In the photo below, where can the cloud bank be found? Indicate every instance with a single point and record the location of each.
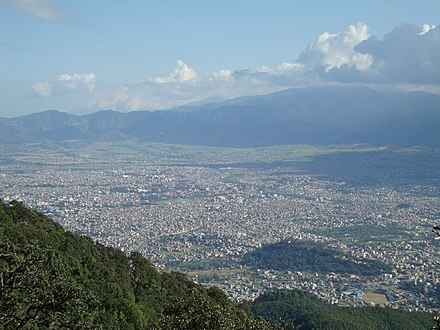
(65, 83)
(408, 55)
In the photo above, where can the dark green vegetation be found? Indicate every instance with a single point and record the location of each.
(309, 256)
(53, 279)
(309, 312)
(324, 115)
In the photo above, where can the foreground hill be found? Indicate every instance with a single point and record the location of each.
(320, 115)
(53, 279)
(309, 312)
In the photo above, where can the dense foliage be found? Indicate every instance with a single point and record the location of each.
(53, 279)
(308, 256)
(309, 312)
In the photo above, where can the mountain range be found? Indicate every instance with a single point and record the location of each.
(312, 115)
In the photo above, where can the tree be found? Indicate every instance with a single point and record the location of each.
(37, 292)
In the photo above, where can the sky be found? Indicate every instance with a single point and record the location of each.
(89, 55)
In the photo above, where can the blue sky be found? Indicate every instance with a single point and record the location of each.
(85, 56)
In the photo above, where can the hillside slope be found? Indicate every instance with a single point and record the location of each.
(309, 312)
(53, 279)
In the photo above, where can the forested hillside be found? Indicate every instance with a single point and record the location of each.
(53, 279)
(306, 311)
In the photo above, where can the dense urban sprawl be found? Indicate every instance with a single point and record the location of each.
(203, 217)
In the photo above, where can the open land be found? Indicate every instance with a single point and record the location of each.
(375, 298)
(201, 210)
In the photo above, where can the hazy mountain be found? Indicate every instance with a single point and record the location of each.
(320, 115)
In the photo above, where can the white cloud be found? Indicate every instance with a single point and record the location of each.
(283, 68)
(165, 93)
(286, 67)
(408, 54)
(223, 74)
(181, 73)
(65, 82)
(426, 28)
(43, 89)
(332, 51)
(76, 80)
(265, 69)
(351, 56)
(43, 9)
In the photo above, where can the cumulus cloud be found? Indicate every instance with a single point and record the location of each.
(157, 94)
(332, 51)
(223, 74)
(43, 89)
(408, 54)
(65, 82)
(287, 67)
(283, 68)
(426, 28)
(76, 80)
(407, 57)
(181, 73)
(43, 9)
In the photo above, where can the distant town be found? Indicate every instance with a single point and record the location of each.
(201, 210)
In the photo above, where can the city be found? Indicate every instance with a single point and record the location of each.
(200, 210)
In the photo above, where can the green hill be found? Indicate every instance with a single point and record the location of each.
(53, 279)
(306, 311)
(311, 257)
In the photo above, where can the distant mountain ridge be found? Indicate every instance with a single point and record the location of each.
(319, 115)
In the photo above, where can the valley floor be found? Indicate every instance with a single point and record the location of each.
(201, 210)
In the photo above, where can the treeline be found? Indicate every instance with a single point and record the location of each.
(306, 311)
(308, 256)
(53, 279)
